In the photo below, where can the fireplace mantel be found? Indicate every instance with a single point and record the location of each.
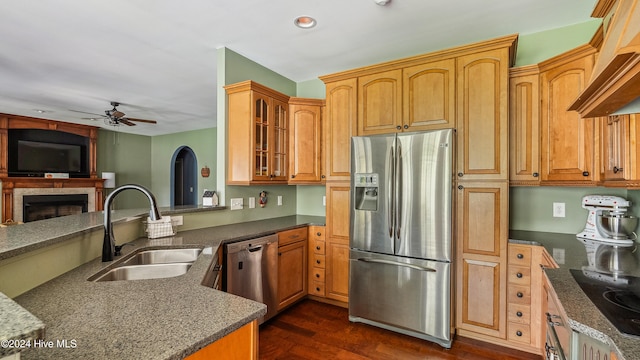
(10, 183)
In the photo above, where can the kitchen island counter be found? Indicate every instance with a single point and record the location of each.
(146, 319)
(584, 316)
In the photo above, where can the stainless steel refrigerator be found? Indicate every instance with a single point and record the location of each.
(400, 233)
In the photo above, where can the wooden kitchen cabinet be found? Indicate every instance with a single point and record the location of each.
(305, 139)
(338, 128)
(429, 96)
(258, 134)
(482, 220)
(380, 103)
(524, 126)
(482, 115)
(620, 150)
(568, 147)
(317, 262)
(292, 266)
(337, 242)
(241, 344)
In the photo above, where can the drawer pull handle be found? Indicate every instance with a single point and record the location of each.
(519, 314)
(519, 294)
(519, 275)
(317, 289)
(520, 256)
(318, 275)
(519, 333)
(317, 247)
(317, 261)
(319, 233)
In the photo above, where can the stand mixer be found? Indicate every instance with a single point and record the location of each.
(608, 236)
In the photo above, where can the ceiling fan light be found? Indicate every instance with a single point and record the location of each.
(305, 22)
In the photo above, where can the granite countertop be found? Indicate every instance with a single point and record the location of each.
(18, 327)
(584, 316)
(145, 319)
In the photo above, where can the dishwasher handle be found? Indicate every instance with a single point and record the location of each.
(254, 249)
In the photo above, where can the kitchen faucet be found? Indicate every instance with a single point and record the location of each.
(109, 244)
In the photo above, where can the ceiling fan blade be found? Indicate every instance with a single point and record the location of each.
(142, 120)
(126, 122)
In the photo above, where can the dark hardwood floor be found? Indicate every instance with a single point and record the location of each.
(314, 330)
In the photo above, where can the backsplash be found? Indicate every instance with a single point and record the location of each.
(531, 208)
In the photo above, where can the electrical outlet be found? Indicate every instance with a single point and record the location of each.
(177, 220)
(558, 210)
(237, 203)
(279, 200)
(252, 203)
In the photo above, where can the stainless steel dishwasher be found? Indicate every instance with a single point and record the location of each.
(251, 271)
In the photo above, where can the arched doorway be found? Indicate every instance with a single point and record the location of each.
(184, 177)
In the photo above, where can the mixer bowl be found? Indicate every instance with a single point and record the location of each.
(616, 226)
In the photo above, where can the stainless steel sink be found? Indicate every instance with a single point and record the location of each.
(150, 264)
(142, 272)
(162, 256)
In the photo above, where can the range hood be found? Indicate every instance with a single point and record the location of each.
(615, 82)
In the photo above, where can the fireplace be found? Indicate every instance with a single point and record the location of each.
(40, 207)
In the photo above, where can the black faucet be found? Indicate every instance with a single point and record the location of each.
(109, 244)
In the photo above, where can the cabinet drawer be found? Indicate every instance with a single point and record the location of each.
(316, 233)
(316, 288)
(519, 275)
(519, 332)
(317, 274)
(290, 236)
(518, 313)
(519, 255)
(518, 294)
(318, 247)
(318, 261)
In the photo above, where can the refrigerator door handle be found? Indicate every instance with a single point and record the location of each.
(391, 187)
(389, 262)
(398, 193)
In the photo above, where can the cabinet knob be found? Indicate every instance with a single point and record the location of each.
(293, 176)
(322, 176)
(406, 126)
(319, 233)
(317, 275)
(519, 314)
(616, 169)
(519, 294)
(585, 173)
(519, 333)
(317, 261)
(460, 187)
(535, 174)
(317, 289)
(520, 256)
(317, 247)
(398, 127)
(460, 174)
(519, 275)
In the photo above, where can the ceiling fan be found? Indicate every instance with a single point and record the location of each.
(116, 117)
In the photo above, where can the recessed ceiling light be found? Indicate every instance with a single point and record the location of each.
(305, 22)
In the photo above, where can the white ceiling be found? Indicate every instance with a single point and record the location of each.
(158, 57)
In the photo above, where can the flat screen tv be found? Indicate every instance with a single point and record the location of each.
(35, 152)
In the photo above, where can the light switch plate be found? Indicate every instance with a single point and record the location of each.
(558, 210)
(279, 200)
(252, 203)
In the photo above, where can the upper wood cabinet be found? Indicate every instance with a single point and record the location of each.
(305, 139)
(429, 96)
(338, 128)
(620, 150)
(568, 142)
(482, 116)
(380, 103)
(524, 126)
(415, 98)
(257, 134)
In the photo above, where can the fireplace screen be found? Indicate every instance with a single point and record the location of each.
(40, 207)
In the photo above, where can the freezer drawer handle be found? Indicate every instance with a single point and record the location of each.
(388, 262)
